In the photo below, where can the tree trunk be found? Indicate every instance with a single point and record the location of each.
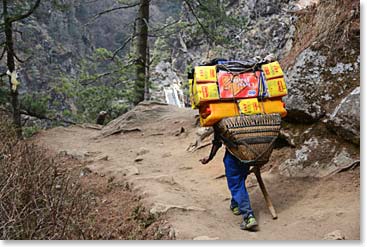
(147, 75)
(141, 84)
(9, 46)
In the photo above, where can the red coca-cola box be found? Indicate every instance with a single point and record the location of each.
(238, 86)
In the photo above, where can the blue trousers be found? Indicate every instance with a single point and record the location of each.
(236, 173)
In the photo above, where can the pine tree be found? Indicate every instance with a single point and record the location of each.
(142, 79)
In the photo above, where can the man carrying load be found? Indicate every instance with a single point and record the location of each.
(243, 102)
(236, 173)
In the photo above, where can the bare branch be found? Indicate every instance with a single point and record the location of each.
(34, 114)
(18, 59)
(27, 14)
(111, 10)
(164, 27)
(18, 31)
(198, 21)
(162, 35)
(122, 46)
(3, 53)
(99, 76)
(92, 1)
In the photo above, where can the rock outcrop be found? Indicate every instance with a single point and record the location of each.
(323, 78)
(345, 120)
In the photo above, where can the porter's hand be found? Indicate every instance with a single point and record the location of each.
(205, 160)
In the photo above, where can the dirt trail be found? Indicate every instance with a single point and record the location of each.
(196, 197)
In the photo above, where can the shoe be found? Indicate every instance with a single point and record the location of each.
(235, 210)
(249, 223)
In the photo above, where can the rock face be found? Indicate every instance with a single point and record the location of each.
(269, 29)
(313, 83)
(323, 80)
(58, 36)
(304, 87)
(55, 40)
(319, 157)
(323, 65)
(324, 61)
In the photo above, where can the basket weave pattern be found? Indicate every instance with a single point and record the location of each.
(250, 138)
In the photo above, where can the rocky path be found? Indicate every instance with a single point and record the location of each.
(195, 197)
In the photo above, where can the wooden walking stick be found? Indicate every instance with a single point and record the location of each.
(269, 204)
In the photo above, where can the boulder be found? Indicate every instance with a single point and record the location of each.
(319, 157)
(311, 86)
(303, 102)
(345, 120)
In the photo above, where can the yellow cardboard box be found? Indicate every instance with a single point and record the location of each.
(276, 87)
(253, 106)
(205, 74)
(249, 106)
(192, 92)
(205, 92)
(272, 70)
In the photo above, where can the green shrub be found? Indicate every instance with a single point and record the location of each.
(30, 131)
(35, 104)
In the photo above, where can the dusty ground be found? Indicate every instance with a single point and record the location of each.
(195, 197)
(113, 210)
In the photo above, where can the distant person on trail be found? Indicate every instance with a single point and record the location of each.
(236, 173)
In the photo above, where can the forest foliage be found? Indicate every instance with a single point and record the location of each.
(106, 80)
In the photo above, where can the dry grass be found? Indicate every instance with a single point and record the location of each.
(44, 197)
(37, 200)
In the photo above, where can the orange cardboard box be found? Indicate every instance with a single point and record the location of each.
(210, 113)
(273, 106)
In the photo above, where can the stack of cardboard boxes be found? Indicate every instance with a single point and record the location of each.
(219, 94)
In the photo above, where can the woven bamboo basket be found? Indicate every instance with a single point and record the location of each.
(250, 138)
